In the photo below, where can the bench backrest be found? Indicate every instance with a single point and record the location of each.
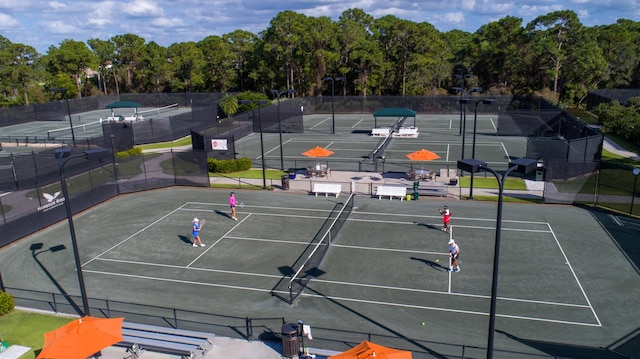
(327, 187)
(391, 191)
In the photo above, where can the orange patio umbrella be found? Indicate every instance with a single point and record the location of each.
(369, 350)
(81, 338)
(423, 155)
(318, 152)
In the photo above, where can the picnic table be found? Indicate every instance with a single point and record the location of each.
(421, 174)
(318, 171)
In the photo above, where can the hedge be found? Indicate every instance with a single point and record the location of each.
(228, 166)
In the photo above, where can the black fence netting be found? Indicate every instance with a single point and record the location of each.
(607, 184)
(32, 191)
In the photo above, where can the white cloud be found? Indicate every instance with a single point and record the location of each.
(142, 8)
(7, 21)
(468, 5)
(60, 27)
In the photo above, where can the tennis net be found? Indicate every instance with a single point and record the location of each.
(309, 267)
(77, 130)
(157, 111)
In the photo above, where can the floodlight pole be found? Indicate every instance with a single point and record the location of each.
(278, 94)
(64, 93)
(264, 165)
(636, 172)
(63, 155)
(475, 126)
(333, 112)
(522, 165)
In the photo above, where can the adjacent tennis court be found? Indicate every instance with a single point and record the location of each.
(561, 275)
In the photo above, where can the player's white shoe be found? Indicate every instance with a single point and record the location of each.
(195, 245)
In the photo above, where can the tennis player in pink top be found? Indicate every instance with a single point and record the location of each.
(232, 204)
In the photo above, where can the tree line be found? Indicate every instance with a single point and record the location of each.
(553, 56)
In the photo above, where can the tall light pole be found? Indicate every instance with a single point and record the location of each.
(63, 154)
(475, 123)
(521, 165)
(264, 165)
(333, 112)
(64, 93)
(463, 119)
(460, 89)
(636, 172)
(278, 94)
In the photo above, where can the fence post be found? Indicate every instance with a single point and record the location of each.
(249, 328)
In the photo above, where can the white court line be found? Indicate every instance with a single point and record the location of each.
(319, 123)
(253, 206)
(448, 151)
(357, 123)
(181, 281)
(135, 234)
(495, 128)
(253, 289)
(275, 148)
(616, 219)
(330, 143)
(464, 218)
(505, 150)
(574, 275)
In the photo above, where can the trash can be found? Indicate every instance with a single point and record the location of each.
(540, 170)
(285, 181)
(292, 175)
(416, 195)
(290, 340)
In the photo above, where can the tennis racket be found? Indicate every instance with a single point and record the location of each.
(202, 223)
(241, 205)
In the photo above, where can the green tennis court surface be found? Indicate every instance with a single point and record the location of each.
(563, 280)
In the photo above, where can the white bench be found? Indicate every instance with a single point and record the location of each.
(391, 191)
(406, 132)
(381, 132)
(327, 188)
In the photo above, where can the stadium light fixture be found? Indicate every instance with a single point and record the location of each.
(333, 112)
(489, 101)
(64, 93)
(63, 154)
(264, 165)
(278, 94)
(521, 165)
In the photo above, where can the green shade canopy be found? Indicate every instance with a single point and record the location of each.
(123, 104)
(394, 112)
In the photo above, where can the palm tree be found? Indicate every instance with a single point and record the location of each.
(229, 105)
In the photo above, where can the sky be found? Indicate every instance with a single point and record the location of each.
(43, 23)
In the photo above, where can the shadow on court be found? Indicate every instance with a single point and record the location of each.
(559, 350)
(429, 263)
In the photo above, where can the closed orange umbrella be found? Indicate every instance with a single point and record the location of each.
(81, 338)
(318, 152)
(369, 350)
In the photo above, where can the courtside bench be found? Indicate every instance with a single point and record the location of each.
(407, 132)
(391, 191)
(327, 188)
(438, 191)
(185, 343)
(381, 132)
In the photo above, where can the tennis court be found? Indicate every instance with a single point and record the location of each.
(85, 125)
(352, 142)
(561, 276)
